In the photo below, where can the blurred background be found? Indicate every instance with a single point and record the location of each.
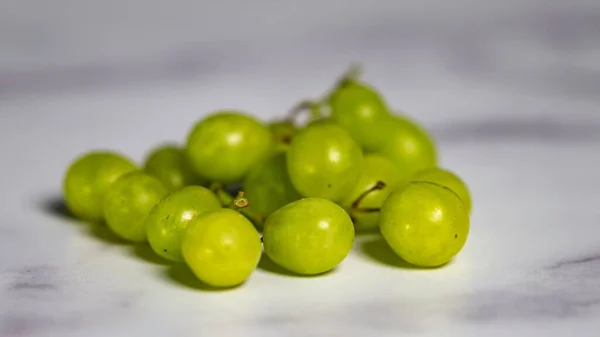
(537, 45)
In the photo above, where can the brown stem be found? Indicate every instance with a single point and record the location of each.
(356, 204)
(352, 73)
(239, 202)
(302, 107)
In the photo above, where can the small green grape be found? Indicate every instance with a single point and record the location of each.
(283, 132)
(128, 202)
(169, 218)
(268, 187)
(448, 179)
(319, 121)
(225, 145)
(425, 224)
(406, 144)
(169, 164)
(87, 179)
(365, 200)
(358, 108)
(222, 248)
(308, 236)
(324, 161)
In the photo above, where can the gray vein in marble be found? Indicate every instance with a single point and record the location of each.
(541, 129)
(591, 259)
(32, 282)
(25, 322)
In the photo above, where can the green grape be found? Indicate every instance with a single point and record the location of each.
(169, 164)
(283, 132)
(168, 220)
(367, 197)
(87, 179)
(406, 144)
(324, 161)
(268, 187)
(358, 108)
(426, 224)
(225, 145)
(326, 120)
(448, 179)
(128, 202)
(309, 236)
(222, 248)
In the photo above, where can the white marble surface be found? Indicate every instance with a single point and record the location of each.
(512, 98)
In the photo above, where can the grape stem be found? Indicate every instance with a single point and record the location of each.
(352, 73)
(239, 203)
(356, 204)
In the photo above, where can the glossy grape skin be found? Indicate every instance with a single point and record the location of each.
(424, 223)
(128, 202)
(324, 161)
(169, 164)
(225, 145)
(268, 187)
(448, 179)
(87, 179)
(376, 168)
(168, 220)
(309, 236)
(283, 132)
(222, 248)
(406, 144)
(358, 108)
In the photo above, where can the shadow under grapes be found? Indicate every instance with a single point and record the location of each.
(144, 252)
(378, 250)
(180, 274)
(56, 206)
(104, 234)
(268, 265)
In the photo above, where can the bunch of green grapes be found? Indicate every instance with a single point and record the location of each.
(352, 166)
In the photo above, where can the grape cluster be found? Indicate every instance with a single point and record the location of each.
(308, 187)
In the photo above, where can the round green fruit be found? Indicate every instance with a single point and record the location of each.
(222, 248)
(309, 236)
(168, 219)
(225, 145)
(358, 108)
(324, 161)
(87, 179)
(169, 164)
(448, 179)
(424, 223)
(406, 144)
(268, 187)
(128, 202)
